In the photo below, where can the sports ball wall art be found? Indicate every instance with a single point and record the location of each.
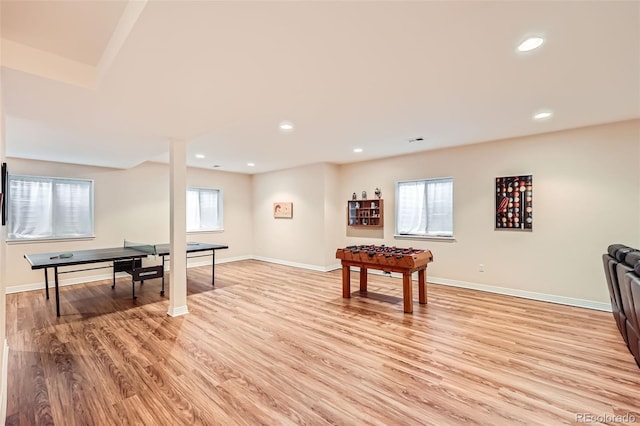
(514, 203)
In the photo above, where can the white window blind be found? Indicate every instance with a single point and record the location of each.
(425, 207)
(49, 208)
(204, 209)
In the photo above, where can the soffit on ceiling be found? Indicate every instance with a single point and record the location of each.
(368, 74)
(76, 30)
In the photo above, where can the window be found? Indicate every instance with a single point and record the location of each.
(204, 209)
(424, 208)
(49, 208)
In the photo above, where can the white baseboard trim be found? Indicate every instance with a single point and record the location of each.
(62, 283)
(543, 297)
(178, 311)
(296, 264)
(3, 383)
(101, 277)
(208, 262)
(472, 286)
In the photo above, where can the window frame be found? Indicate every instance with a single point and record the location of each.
(54, 236)
(220, 209)
(397, 235)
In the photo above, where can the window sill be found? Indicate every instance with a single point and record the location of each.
(423, 237)
(50, 240)
(206, 231)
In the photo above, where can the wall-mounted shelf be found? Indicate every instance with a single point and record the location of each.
(365, 213)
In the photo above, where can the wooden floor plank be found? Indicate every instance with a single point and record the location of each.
(271, 344)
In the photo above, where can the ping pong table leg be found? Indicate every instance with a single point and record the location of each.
(46, 282)
(55, 271)
(133, 281)
(213, 267)
(113, 265)
(162, 291)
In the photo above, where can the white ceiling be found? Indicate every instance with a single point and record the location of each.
(110, 83)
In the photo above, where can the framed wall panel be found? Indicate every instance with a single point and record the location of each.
(3, 191)
(514, 203)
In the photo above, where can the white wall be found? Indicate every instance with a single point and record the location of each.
(334, 214)
(586, 197)
(237, 214)
(306, 239)
(133, 204)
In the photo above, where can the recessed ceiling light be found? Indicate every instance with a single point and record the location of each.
(199, 155)
(215, 166)
(530, 44)
(286, 126)
(542, 115)
(357, 149)
(251, 164)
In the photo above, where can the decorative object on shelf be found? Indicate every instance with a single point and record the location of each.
(283, 210)
(354, 196)
(364, 195)
(514, 203)
(378, 193)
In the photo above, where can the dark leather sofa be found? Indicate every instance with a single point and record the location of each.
(622, 271)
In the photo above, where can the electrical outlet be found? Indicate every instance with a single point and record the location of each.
(481, 267)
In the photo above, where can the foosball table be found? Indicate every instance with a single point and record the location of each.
(388, 259)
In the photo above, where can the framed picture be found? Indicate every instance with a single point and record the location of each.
(283, 210)
(514, 203)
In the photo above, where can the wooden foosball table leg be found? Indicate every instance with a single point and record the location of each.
(346, 281)
(407, 292)
(363, 279)
(422, 286)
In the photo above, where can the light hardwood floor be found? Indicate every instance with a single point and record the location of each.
(276, 345)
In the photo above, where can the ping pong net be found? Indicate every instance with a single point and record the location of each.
(144, 248)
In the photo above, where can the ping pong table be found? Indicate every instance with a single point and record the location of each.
(127, 258)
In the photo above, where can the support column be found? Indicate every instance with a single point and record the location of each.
(178, 228)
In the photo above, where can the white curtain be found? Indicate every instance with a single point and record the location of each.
(425, 207)
(49, 208)
(30, 209)
(193, 210)
(412, 209)
(440, 211)
(203, 206)
(72, 209)
(208, 209)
